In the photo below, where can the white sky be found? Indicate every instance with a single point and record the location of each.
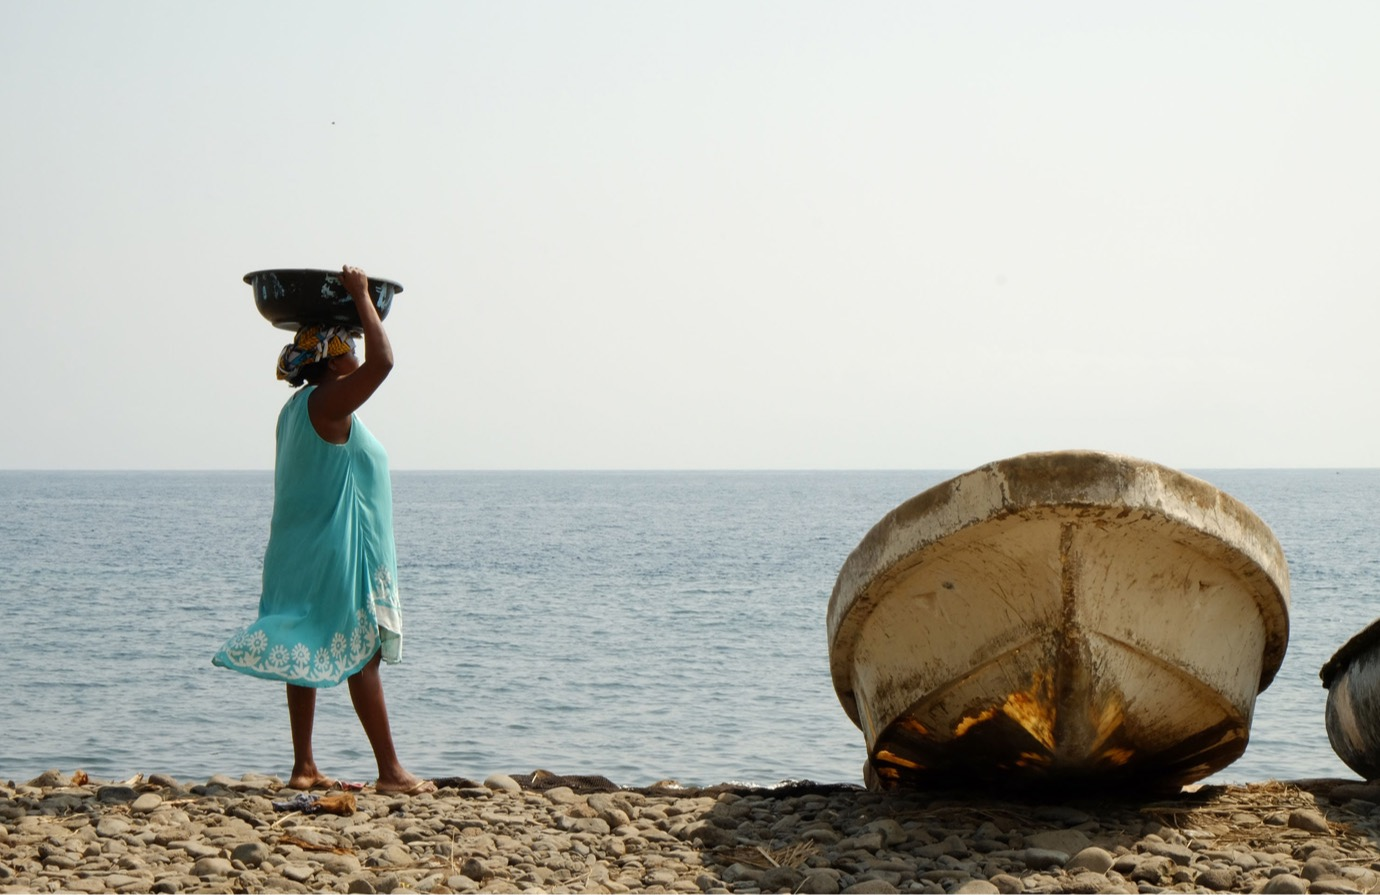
(701, 235)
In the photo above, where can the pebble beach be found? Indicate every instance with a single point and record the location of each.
(541, 832)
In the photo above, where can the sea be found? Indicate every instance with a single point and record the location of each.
(642, 626)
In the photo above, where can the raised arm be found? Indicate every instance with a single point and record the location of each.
(352, 382)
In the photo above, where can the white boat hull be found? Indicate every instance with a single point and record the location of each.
(1054, 617)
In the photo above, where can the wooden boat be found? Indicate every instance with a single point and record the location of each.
(1058, 618)
(1352, 679)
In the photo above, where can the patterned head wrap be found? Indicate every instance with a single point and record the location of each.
(312, 344)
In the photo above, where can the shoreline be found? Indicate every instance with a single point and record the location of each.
(542, 832)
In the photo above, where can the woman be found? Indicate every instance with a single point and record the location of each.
(329, 609)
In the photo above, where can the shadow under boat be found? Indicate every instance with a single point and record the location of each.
(1067, 618)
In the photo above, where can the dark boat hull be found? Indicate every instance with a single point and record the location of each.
(1352, 679)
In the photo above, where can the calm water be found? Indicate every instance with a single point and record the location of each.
(642, 626)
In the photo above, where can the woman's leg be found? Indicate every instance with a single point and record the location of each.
(301, 716)
(366, 692)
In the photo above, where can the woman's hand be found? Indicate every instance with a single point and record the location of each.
(355, 282)
(352, 382)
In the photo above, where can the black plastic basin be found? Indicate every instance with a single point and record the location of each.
(291, 299)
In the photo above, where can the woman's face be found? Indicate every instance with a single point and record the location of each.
(344, 364)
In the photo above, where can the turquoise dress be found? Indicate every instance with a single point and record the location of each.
(330, 593)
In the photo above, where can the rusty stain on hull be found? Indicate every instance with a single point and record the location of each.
(1032, 709)
(1056, 618)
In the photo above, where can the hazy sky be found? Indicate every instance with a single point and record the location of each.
(702, 235)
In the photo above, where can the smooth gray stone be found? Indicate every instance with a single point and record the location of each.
(562, 795)
(1179, 854)
(711, 836)
(1316, 868)
(775, 879)
(1070, 842)
(1309, 821)
(1334, 886)
(1218, 879)
(212, 867)
(1088, 882)
(608, 808)
(118, 881)
(394, 855)
(338, 865)
(819, 881)
(110, 827)
(1042, 858)
(977, 887)
(116, 795)
(871, 842)
(474, 869)
(62, 860)
(251, 854)
(298, 873)
(1151, 869)
(378, 837)
(892, 832)
(61, 803)
(1092, 859)
(1285, 884)
(502, 782)
(595, 825)
(739, 872)
(48, 779)
(196, 849)
(871, 887)
(1008, 884)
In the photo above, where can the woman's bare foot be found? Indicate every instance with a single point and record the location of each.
(406, 784)
(307, 780)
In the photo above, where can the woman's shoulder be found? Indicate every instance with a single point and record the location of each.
(299, 397)
(295, 407)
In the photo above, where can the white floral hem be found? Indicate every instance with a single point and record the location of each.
(378, 625)
(387, 615)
